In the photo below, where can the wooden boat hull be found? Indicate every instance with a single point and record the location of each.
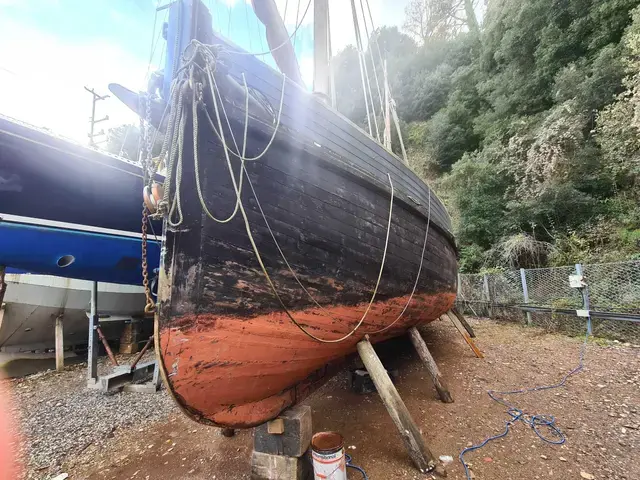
(237, 372)
(229, 351)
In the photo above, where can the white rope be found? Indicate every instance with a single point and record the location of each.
(287, 41)
(290, 268)
(259, 257)
(415, 284)
(364, 87)
(177, 145)
(373, 63)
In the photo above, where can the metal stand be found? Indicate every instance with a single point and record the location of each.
(420, 454)
(92, 360)
(3, 288)
(59, 335)
(430, 363)
(124, 377)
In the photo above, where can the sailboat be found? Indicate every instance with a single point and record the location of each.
(70, 210)
(290, 233)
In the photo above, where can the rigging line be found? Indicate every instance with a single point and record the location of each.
(255, 195)
(259, 257)
(373, 28)
(151, 47)
(370, 50)
(246, 14)
(259, 30)
(275, 129)
(284, 16)
(364, 88)
(287, 41)
(295, 36)
(366, 72)
(415, 285)
(154, 44)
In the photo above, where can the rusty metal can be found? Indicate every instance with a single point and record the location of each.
(327, 451)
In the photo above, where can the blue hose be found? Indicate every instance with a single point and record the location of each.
(537, 423)
(355, 467)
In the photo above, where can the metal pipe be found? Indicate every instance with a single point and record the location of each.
(142, 352)
(92, 360)
(112, 357)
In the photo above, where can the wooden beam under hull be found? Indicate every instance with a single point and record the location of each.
(240, 372)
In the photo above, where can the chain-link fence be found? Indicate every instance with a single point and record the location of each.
(543, 297)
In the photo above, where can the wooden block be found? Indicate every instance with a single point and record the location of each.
(276, 427)
(294, 440)
(265, 466)
(129, 339)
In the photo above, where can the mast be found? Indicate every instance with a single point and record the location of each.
(322, 50)
(387, 113)
(278, 39)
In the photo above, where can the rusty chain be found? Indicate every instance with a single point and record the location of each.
(150, 305)
(145, 157)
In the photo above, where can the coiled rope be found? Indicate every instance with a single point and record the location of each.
(537, 422)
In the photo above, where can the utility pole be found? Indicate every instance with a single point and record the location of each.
(92, 119)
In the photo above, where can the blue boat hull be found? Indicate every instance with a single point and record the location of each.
(75, 254)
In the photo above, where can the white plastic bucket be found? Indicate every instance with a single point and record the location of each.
(327, 451)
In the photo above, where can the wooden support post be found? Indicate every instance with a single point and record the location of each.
(59, 344)
(464, 334)
(430, 363)
(420, 454)
(464, 322)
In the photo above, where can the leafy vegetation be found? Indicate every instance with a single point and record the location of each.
(527, 125)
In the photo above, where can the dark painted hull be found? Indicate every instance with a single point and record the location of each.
(230, 354)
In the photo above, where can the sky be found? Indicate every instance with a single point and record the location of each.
(51, 49)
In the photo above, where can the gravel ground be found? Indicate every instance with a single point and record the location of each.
(143, 437)
(61, 417)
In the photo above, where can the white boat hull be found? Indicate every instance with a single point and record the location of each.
(33, 302)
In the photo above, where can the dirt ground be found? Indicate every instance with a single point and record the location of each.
(598, 410)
